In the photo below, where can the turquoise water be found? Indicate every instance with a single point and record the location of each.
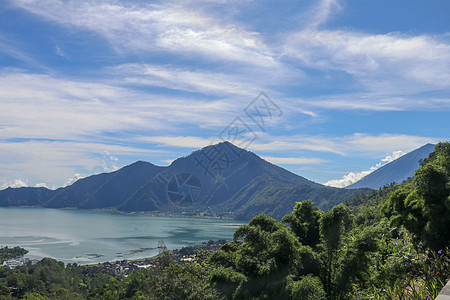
(91, 236)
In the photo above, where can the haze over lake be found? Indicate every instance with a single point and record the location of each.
(95, 236)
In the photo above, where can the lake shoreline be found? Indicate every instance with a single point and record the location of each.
(138, 213)
(93, 236)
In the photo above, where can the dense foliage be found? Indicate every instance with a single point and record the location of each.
(7, 253)
(390, 244)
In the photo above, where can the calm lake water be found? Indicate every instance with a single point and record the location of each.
(91, 236)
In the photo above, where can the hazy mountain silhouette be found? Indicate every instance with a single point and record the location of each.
(218, 180)
(396, 171)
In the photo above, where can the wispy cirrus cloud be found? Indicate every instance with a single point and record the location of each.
(374, 102)
(386, 142)
(341, 145)
(8, 48)
(359, 143)
(294, 160)
(170, 75)
(321, 12)
(199, 81)
(53, 127)
(387, 71)
(165, 26)
(42, 106)
(388, 68)
(391, 63)
(190, 142)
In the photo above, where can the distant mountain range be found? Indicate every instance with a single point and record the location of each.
(220, 180)
(396, 171)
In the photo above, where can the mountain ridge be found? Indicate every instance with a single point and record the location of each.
(219, 180)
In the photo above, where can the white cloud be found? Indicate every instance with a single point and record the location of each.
(171, 27)
(294, 160)
(390, 63)
(16, 183)
(296, 143)
(192, 142)
(36, 106)
(41, 106)
(74, 179)
(51, 127)
(41, 185)
(168, 161)
(394, 156)
(223, 61)
(353, 177)
(205, 82)
(9, 48)
(386, 142)
(322, 12)
(374, 102)
(349, 179)
(386, 66)
(110, 162)
(358, 143)
(60, 52)
(51, 162)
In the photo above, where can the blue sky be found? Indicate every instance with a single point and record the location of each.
(89, 86)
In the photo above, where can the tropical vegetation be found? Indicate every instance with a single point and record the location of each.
(393, 243)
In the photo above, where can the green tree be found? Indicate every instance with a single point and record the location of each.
(190, 281)
(59, 293)
(34, 296)
(432, 183)
(259, 260)
(423, 206)
(7, 253)
(304, 222)
(50, 272)
(307, 288)
(334, 228)
(356, 260)
(227, 280)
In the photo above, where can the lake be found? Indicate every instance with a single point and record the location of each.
(85, 237)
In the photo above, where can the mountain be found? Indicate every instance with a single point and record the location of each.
(104, 190)
(396, 171)
(219, 180)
